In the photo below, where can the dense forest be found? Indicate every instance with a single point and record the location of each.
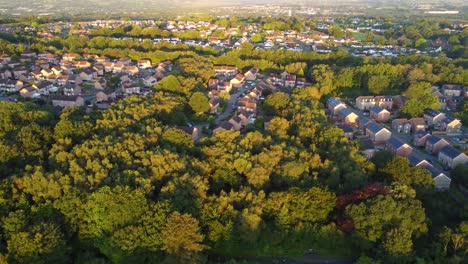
(124, 185)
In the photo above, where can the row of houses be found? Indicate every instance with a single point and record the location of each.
(380, 136)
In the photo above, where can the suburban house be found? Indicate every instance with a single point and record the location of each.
(451, 157)
(384, 101)
(105, 95)
(398, 147)
(130, 88)
(435, 144)
(100, 84)
(401, 125)
(441, 180)
(452, 125)
(420, 138)
(192, 131)
(237, 81)
(132, 70)
(377, 133)
(347, 131)
(67, 101)
(451, 90)
(251, 74)
(379, 114)
(433, 117)
(362, 123)
(71, 89)
(367, 148)
(290, 81)
(223, 127)
(347, 117)
(214, 104)
(335, 105)
(226, 71)
(245, 116)
(247, 105)
(144, 64)
(88, 74)
(417, 124)
(236, 123)
(30, 92)
(365, 102)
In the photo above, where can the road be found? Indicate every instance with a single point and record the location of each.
(228, 110)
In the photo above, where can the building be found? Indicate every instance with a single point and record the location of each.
(379, 114)
(191, 131)
(365, 102)
(377, 133)
(397, 147)
(225, 126)
(347, 131)
(433, 117)
(451, 90)
(420, 138)
(452, 125)
(251, 74)
(435, 144)
(67, 101)
(451, 157)
(367, 148)
(347, 117)
(335, 105)
(401, 125)
(417, 124)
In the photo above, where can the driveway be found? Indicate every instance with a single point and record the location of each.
(228, 110)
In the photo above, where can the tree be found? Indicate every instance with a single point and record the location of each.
(398, 242)
(378, 84)
(324, 78)
(460, 175)
(419, 98)
(199, 103)
(182, 239)
(335, 31)
(256, 38)
(276, 103)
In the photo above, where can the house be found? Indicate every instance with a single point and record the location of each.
(451, 157)
(225, 126)
(130, 88)
(384, 101)
(67, 101)
(451, 90)
(99, 69)
(452, 125)
(441, 180)
(365, 102)
(132, 70)
(433, 117)
(144, 64)
(214, 104)
(401, 125)
(213, 83)
(237, 81)
(420, 138)
(362, 123)
(82, 64)
(226, 71)
(100, 84)
(224, 86)
(108, 66)
(75, 79)
(105, 95)
(379, 114)
(454, 101)
(417, 123)
(43, 87)
(30, 92)
(71, 89)
(367, 148)
(348, 131)
(245, 116)
(398, 147)
(236, 123)
(125, 61)
(248, 105)
(9, 85)
(347, 117)
(335, 105)
(377, 133)
(290, 81)
(418, 162)
(88, 74)
(435, 144)
(251, 74)
(192, 131)
(117, 67)
(70, 56)
(150, 81)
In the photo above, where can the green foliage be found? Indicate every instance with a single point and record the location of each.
(419, 98)
(199, 103)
